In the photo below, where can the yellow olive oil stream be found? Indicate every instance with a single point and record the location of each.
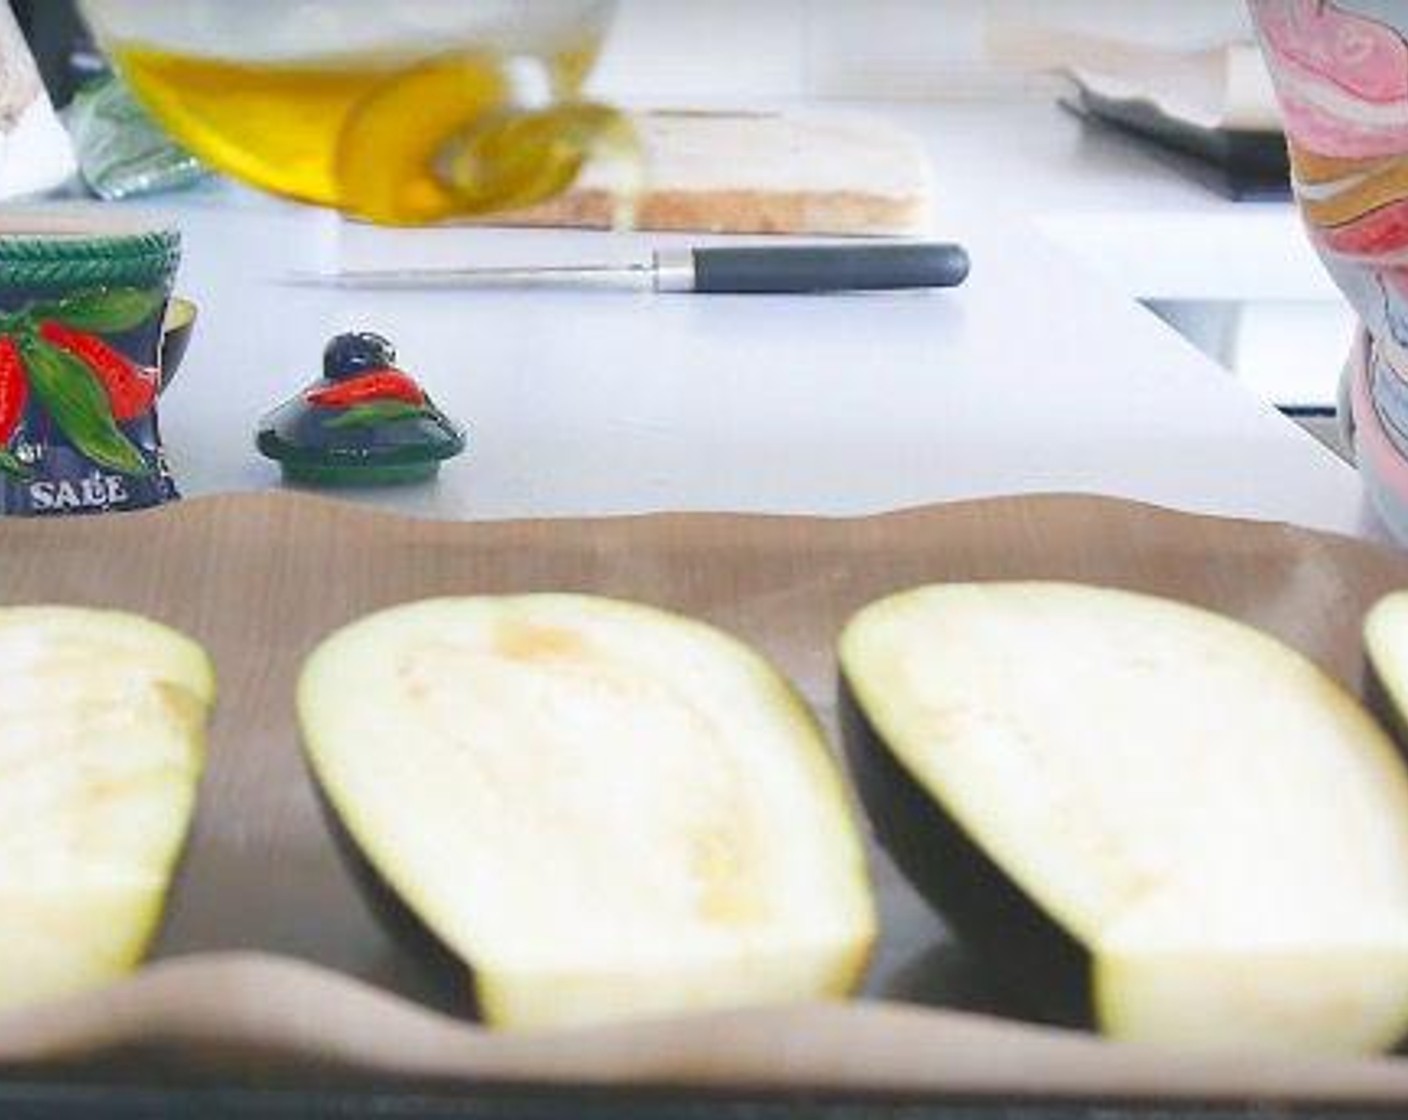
(391, 139)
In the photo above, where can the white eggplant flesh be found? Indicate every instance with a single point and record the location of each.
(608, 811)
(1386, 641)
(1219, 827)
(102, 740)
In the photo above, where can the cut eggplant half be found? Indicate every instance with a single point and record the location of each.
(102, 739)
(1157, 807)
(606, 810)
(1386, 640)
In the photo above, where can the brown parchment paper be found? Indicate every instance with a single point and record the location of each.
(269, 947)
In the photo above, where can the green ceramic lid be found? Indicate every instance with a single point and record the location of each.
(364, 423)
(67, 249)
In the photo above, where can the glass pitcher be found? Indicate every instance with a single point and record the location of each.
(400, 111)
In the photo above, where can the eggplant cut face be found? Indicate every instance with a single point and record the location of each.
(1386, 642)
(1192, 816)
(608, 811)
(102, 740)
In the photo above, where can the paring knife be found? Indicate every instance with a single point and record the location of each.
(753, 269)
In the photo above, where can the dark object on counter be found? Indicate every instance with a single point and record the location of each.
(754, 269)
(1240, 165)
(364, 423)
(61, 45)
(823, 268)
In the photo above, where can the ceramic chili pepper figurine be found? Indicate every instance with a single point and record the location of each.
(364, 423)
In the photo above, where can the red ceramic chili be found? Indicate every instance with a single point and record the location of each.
(376, 385)
(14, 388)
(131, 388)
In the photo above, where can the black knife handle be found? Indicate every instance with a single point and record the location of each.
(829, 268)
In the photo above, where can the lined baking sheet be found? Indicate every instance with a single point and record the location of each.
(269, 946)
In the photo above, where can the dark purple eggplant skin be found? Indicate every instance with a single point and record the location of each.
(1379, 700)
(444, 972)
(1038, 970)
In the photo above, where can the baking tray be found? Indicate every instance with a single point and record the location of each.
(273, 985)
(1243, 165)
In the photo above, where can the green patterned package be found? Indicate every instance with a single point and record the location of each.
(82, 302)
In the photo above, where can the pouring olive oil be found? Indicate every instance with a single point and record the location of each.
(401, 113)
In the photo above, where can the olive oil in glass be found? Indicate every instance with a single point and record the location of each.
(404, 112)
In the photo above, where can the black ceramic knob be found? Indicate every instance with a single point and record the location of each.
(347, 355)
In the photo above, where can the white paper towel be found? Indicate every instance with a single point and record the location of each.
(35, 154)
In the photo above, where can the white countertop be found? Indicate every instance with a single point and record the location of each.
(1040, 374)
(1152, 231)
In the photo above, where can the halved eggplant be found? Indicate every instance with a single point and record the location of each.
(1386, 641)
(102, 729)
(1140, 801)
(606, 810)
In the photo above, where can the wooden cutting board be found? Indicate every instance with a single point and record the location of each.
(822, 172)
(319, 984)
